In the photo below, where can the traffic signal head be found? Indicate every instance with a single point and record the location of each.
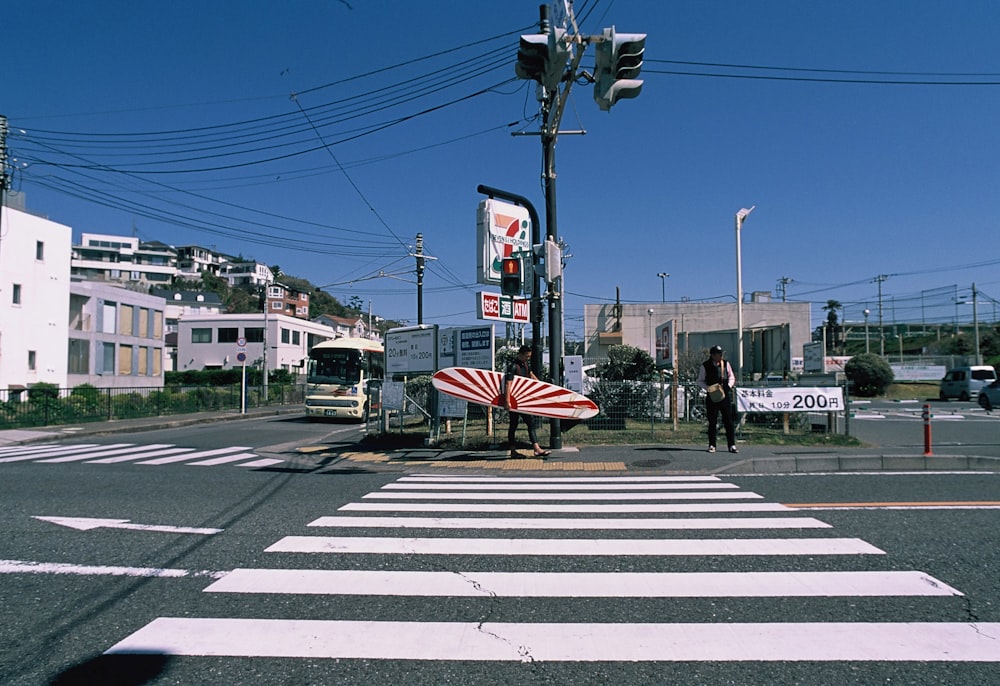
(543, 57)
(618, 63)
(510, 276)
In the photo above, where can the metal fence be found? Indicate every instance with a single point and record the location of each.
(48, 405)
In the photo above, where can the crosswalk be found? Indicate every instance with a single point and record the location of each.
(152, 454)
(499, 522)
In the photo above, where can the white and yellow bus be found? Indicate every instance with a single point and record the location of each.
(339, 376)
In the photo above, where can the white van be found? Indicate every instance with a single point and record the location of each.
(964, 382)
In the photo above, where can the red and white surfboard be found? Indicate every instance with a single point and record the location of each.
(527, 396)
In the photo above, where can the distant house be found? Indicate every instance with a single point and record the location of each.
(212, 341)
(347, 327)
(193, 260)
(178, 304)
(246, 273)
(291, 302)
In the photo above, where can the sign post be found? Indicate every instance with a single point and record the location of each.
(241, 356)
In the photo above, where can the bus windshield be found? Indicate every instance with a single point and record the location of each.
(334, 367)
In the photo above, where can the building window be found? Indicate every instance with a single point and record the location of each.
(125, 324)
(158, 324)
(157, 358)
(296, 338)
(108, 359)
(277, 305)
(142, 369)
(31, 360)
(143, 323)
(79, 356)
(16, 295)
(228, 335)
(39, 250)
(125, 360)
(201, 335)
(284, 336)
(109, 313)
(254, 334)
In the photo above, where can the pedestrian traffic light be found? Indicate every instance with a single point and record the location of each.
(618, 62)
(510, 276)
(543, 57)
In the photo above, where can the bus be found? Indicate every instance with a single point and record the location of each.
(338, 379)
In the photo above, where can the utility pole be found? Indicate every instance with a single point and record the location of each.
(4, 178)
(881, 331)
(975, 319)
(420, 278)
(548, 59)
(782, 284)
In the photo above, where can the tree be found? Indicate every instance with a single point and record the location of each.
(628, 363)
(869, 374)
(832, 322)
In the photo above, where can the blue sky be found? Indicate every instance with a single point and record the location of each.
(322, 136)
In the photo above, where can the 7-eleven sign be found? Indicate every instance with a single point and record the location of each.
(502, 230)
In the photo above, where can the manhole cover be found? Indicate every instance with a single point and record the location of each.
(650, 464)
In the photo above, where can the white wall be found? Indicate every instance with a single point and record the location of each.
(39, 322)
(280, 355)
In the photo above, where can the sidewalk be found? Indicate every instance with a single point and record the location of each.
(648, 459)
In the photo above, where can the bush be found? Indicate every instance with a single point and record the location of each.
(869, 375)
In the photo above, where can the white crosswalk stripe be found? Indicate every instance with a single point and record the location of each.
(667, 537)
(155, 454)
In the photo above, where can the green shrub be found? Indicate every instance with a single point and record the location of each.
(869, 375)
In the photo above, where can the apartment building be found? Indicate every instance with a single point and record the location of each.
(116, 337)
(123, 260)
(34, 299)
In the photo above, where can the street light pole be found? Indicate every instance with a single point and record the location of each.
(663, 286)
(740, 218)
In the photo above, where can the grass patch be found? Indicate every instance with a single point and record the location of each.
(636, 432)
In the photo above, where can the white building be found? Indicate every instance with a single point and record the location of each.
(116, 337)
(211, 341)
(123, 259)
(246, 273)
(34, 299)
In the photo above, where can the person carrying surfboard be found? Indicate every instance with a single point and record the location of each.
(520, 366)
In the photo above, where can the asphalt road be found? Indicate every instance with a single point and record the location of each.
(956, 427)
(71, 594)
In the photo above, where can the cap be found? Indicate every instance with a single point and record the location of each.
(715, 349)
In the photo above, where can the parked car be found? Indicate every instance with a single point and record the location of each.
(989, 396)
(964, 382)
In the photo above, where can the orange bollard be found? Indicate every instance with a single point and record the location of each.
(927, 431)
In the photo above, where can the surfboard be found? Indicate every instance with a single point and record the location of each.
(527, 396)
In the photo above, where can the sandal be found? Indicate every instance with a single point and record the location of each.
(544, 453)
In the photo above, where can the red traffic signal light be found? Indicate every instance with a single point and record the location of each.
(510, 276)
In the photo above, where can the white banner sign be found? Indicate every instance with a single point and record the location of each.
(794, 399)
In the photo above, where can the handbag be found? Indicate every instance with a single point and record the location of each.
(716, 393)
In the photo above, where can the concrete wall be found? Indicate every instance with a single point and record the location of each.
(33, 330)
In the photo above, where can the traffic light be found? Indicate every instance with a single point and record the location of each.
(618, 62)
(543, 57)
(510, 276)
(549, 253)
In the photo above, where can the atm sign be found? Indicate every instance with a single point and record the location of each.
(503, 308)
